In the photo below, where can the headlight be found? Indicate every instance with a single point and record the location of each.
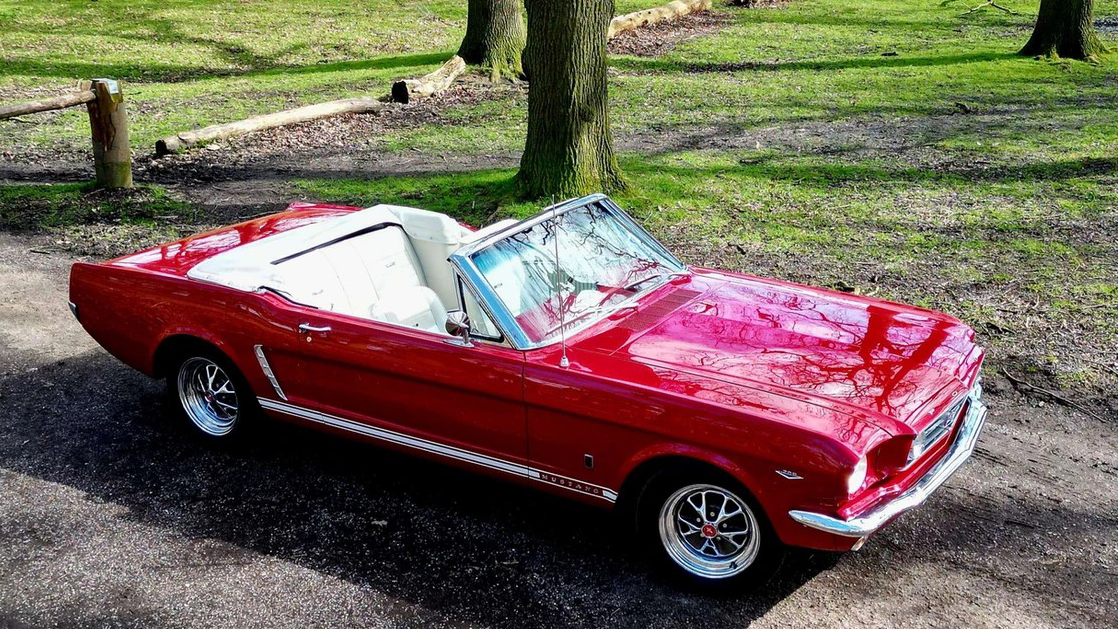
(941, 426)
(857, 477)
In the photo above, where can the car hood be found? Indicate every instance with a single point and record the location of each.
(888, 363)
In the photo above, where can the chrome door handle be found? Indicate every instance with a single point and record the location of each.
(306, 327)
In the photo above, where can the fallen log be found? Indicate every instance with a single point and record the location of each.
(429, 84)
(638, 19)
(175, 143)
(47, 104)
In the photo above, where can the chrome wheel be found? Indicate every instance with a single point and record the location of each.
(709, 532)
(208, 396)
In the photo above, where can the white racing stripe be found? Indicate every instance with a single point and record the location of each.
(509, 467)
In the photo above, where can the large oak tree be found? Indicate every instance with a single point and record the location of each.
(1064, 28)
(495, 37)
(569, 149)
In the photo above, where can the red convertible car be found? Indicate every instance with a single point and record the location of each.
(732, 416)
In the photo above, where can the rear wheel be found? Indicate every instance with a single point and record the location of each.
(211, 394)
(708, 531)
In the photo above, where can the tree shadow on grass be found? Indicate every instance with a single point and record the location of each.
(901, 23)
(148, 71)
(469, 548)
(878, 61)
(147, 25)
(828, 174)
(44, 206)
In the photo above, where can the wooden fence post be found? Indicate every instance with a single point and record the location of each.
(108, 122)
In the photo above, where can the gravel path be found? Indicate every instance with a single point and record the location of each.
(110, 515)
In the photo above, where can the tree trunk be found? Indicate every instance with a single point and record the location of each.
(1064, 28)
(569, 150)
(495, 37)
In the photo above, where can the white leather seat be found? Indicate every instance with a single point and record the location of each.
(414, 307)
(373, 276)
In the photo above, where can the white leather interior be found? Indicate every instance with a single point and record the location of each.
(399, 275)
(433, 237)
(373, 276)
(413, 307)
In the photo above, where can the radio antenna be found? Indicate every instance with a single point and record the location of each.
(563, 362)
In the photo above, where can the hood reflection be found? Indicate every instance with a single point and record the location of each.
(878, 356)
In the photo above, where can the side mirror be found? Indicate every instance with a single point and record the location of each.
(458, 324)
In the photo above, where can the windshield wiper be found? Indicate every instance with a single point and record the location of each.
(669, 275)
(626, 305)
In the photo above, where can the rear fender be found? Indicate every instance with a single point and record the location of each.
(182, 331)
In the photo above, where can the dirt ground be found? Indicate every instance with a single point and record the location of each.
(111, 515)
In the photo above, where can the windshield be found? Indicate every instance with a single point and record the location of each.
(602, 264)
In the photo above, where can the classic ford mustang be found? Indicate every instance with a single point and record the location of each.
(730, 416)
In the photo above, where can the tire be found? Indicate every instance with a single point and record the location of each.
(729, 547)
(209, 392)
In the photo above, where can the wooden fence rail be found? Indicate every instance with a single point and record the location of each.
(46, 104)
(108, 125)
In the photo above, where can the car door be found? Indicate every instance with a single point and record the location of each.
(409, 387)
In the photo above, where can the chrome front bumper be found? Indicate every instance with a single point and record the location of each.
(913, 497)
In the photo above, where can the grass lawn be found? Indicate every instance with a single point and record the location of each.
(191, 63)
(892, 147)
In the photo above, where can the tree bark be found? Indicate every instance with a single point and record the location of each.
(495, 37)
(175, 143)
(670, 11)
(1064, 28)
(569, 149)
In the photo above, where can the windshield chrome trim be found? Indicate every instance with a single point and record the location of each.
(487, 297)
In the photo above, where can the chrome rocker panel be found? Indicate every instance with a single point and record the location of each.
(913, 497)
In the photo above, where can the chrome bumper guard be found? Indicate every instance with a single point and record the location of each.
(914, 496)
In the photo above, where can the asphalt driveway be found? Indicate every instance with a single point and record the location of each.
(111, 515)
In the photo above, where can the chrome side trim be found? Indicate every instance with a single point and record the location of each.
(913, 497)
(572, 483)
(501, 465)
(267, 369)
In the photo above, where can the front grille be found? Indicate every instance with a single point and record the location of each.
(938, 429)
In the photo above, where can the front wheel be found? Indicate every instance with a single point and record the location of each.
(212, 394)
(709, 532)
